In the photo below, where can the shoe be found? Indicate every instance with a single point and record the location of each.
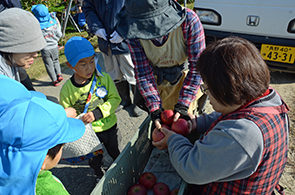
(60, 47)
(137, 111)
(55, 83)
(59, 78)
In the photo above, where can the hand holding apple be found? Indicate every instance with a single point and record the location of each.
(156, 117)
(157, 123)
(165, 126)
(162, 144)
(167, 117)
(157, 135)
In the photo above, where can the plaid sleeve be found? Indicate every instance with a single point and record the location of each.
(195, 39)
(144, 75)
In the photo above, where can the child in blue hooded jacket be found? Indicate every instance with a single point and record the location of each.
(52, 33)
(32, 133)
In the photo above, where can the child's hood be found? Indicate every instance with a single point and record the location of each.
(30, 125)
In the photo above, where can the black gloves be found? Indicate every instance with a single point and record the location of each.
(157, 114)
(182, 110)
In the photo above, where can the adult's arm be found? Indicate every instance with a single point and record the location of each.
(91, 16)
(193, 33)
(144, 75)
(231, 151)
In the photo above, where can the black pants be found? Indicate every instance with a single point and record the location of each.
(109, 139)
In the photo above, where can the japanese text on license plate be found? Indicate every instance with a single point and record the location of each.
(278, 53)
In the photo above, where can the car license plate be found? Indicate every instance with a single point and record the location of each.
(278, 53)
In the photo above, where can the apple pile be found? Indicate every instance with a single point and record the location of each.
(180, 126)
(148, 181)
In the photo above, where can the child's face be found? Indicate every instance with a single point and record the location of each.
(24, 60)
(84, 69)
(49, 163)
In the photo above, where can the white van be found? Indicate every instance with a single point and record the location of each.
(269, 24)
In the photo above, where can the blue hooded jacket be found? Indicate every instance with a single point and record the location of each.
(30, 125)
(102, 14)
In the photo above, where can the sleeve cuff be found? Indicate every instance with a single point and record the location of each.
(97, 114)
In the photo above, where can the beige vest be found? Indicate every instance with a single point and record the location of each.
(172, 53)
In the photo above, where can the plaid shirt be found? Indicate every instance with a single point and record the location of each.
(195, 40)
(272, 123)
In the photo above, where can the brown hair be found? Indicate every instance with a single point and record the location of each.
(7, 57)
(234, 71)
(53, 151)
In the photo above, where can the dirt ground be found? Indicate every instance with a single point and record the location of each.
(284, 83)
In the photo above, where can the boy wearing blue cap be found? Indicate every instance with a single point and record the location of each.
(28, 141)
(52, 33)
(101, 103)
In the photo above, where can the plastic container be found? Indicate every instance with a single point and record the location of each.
(129, 165)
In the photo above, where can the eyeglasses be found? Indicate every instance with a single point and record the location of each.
(205, 91)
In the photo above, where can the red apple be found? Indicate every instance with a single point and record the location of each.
(157, 135)
(148, 180)
(180, 127)
(166, 126)
(137, 189)
(167, 117)
(174, 191)
(161, 188)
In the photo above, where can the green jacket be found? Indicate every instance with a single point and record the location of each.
(72, 96)
(48, 184)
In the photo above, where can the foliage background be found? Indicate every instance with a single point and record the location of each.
(53, 5)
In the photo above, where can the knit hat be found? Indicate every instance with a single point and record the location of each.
(149, 19)
(42, 14)
(78, 48)
(30, 126)
(20, 32)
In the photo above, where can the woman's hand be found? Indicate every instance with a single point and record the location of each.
(162, 144)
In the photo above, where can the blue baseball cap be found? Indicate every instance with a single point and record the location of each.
(19, 91)
(78, 48)
(43, 16)
(30, 126)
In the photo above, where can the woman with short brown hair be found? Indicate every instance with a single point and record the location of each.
(245, 143)
(234, 71)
